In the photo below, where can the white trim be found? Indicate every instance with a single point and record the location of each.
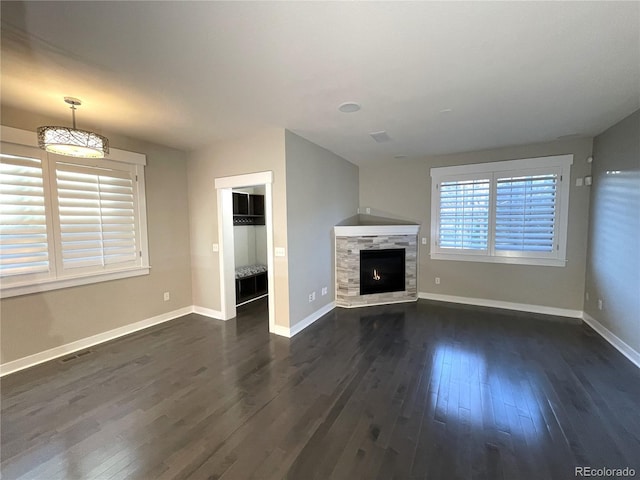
(26, 137)
(483, 302)
(370, 230)
(304, 323)
(55, 284)
(252, 300)
(613, 339)
(271, 278)
(407, 300)
(226, 255)
(465, 257)
(245, 180)
(87, 342)
(207, 312)
(280, 330)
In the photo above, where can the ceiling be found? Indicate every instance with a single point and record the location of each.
(437, 77)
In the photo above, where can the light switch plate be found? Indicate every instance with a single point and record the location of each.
(279, 252)
(215, 247)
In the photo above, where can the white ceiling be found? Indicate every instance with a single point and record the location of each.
(186, 74)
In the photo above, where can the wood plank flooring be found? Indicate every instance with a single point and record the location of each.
(411, 391)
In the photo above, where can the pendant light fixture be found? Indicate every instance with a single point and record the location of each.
(72, 141)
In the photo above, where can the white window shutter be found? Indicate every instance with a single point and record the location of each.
(97, 216)
(526, 213)
(23, 224)
(464, 214)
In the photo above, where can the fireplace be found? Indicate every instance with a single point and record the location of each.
(382, 271)
(358, 242)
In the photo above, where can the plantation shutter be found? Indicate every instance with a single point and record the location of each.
(526, 213)
(23, 225)
(97, 215)
(464, 214)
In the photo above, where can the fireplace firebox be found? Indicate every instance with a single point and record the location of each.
(382, 271)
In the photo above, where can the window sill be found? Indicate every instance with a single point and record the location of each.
(44, 286)
(545, 262)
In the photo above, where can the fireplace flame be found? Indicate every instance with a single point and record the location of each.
(376, 276)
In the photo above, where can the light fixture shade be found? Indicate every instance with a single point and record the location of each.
(72, 142)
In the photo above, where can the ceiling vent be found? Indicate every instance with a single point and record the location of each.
(380, 137)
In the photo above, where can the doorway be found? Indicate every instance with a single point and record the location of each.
(224, 188)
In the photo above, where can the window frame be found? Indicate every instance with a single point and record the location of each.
(25, 143)
(557, 164)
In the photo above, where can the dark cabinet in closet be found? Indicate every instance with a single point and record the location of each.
(248, 209)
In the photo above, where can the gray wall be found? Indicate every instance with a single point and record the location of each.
(613, 260)
(37, 322)
(404, 189)
(322, 190)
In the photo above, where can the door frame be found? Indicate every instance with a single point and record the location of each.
(224, 187)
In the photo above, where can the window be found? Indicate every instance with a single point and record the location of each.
(66, 221)
(503, 212)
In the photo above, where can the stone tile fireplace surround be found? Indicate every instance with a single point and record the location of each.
(350, 239)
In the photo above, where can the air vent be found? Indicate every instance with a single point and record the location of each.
(380, 137)
(75, 356)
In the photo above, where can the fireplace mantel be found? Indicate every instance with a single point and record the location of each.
(374, 230)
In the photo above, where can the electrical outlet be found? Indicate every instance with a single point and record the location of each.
(424, 240)
(215, 247)
(324, 291)
(437, 280)
(312, 296)
(578, 182)
(167, 296)
(599, 304)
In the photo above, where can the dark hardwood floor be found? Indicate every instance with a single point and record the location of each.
(411, 391)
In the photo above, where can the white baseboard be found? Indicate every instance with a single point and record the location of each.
(522, 307)
(62, 350)
(280, 330)
(613, 339)
(304, 323)
(207, 312)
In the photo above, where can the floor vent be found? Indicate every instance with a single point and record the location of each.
(75, 356)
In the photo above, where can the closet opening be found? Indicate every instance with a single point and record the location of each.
(250, 244)
(245, 235)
